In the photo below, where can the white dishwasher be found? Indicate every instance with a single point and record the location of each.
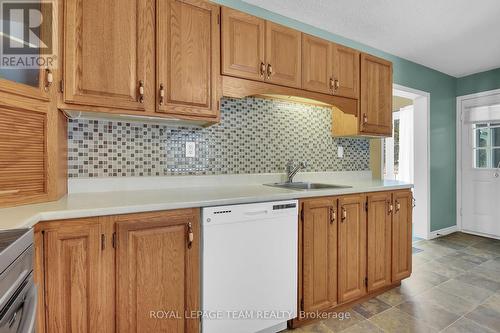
(249, 267)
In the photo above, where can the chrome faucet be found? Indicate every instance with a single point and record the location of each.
(291, 170)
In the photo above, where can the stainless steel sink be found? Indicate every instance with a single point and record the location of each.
(307, 186)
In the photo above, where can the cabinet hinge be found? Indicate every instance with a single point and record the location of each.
(103, 241)
(61, 86)
(113, 240)
(302, 304)
(366, 206)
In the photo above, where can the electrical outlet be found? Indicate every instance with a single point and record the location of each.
(340, 152)
(190, 149)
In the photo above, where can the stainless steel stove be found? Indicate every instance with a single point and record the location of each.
(17, 289)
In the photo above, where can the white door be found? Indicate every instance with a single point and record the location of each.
(480, 162)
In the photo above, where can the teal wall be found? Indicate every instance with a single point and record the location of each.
(479, 82)
(442, 89)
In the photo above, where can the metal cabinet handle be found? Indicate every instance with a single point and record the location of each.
(336, 85)
(262, 69)
(365, 118)
(190, 235)
(344, 214)
(269, 71)
(391, 207)
(162, 94)
(332, 84)
(141, 91)
(398, 206)
(49, 78)
(333, 215)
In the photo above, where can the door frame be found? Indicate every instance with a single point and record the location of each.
(422, 105)
(461, 101)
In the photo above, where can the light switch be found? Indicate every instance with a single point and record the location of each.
(340, 152)
(190, 149)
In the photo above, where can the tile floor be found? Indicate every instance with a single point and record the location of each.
(455, 287)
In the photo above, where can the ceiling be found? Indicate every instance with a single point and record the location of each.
(456, 37)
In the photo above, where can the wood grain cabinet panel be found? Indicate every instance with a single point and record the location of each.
(109, 53)
(316, 64)
(243, 42)
(75, 287)
(283, 55)
(376, 96)
(157, 270)
(345, 71)
(352, 248)
(319, 274)
(23, 156)
(402, 235)
(379, 240)
(188, 65)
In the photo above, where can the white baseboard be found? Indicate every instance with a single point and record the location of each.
(443, 232)
(480, 234)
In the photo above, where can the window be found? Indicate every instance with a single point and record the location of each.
(486, 145)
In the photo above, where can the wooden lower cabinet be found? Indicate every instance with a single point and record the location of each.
(352, 248)
(402, 235)
(319, 258)
(157, 270)
(379, 215)
(77, 268)
(124, 273)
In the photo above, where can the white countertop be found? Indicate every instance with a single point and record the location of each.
(102, 203)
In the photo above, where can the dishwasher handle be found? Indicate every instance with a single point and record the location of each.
(256, 212)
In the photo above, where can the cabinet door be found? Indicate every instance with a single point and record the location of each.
(31, 43)
(319, 254)
(188, 42)
(283, 55)
(379, 240)
(345, 71)
(77, 290)
(157, 270)
(243, 38)
(402, 235)
(376, 96)
(316, 64)
(109, 53)
(352, 247)
(23, 156)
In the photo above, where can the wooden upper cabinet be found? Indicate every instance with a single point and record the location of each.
(243, 45)
(283, 55)
(319, 272)
(376, 96)
(76, 292)
(23, 155)
(157, 269)
(379, 240)
(188, 66)
(402, 235)
(352, 247)
(316, 64)
(31, 82)
(109, 53)
(345, 71)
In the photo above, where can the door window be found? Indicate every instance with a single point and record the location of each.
(486, 145)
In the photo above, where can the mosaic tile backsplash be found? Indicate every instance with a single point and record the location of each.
(255, 135)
